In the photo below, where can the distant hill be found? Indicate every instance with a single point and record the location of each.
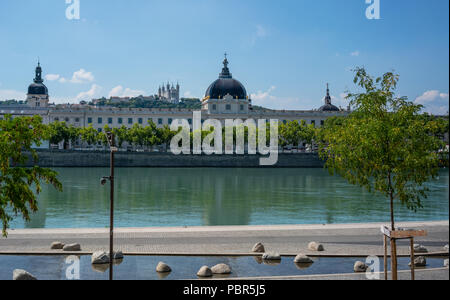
(12, 102)
(190, 103)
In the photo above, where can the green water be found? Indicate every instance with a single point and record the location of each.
(200, 197)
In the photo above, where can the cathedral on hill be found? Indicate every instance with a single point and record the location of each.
(169, 93)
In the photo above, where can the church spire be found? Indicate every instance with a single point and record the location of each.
(225, 71)
(328, 97)
(38, 78)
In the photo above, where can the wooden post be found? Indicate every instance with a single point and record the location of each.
(412, 258)
(394, 258)
(385, 257)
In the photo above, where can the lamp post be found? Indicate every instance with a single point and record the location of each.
(113, 149)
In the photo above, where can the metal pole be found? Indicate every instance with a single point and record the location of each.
(385, 242)
(412, 258)
(111, 215)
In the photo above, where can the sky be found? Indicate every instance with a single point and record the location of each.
(284, 52)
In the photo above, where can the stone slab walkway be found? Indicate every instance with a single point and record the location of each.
(340, 239)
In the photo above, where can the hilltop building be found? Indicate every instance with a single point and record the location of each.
(169, 93)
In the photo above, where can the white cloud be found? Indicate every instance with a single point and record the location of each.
(355, 53)
(430, 96)
(12, 94)
(268, 100)
(434, 102)
(52, 77)
(119, 91)
(87, 96)
(80, 76)
(262, 96)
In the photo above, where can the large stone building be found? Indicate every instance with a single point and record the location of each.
(225, 98)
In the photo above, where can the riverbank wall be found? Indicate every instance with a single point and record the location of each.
(72, 159)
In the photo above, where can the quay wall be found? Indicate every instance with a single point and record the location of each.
(65, 158)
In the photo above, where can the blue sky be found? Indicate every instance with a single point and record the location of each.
(284, 51)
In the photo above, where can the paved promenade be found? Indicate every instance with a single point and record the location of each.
(341, 239)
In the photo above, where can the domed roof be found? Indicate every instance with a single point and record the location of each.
(38, 88)
(328, 106)
(226, 85)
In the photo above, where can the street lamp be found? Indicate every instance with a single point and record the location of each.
(103, 181)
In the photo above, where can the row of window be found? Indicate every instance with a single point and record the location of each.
(160, 121)
(129, 121)
(227, 107)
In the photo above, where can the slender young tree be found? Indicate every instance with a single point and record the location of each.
(385, 145)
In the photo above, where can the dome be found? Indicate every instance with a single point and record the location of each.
(226, 85)
(328, 106)
(37, 89)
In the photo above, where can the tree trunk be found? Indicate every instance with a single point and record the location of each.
(392, 212)
(391, 199)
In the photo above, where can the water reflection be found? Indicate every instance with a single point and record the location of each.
(193, 197)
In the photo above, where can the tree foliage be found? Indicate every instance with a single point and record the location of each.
(385, 145)
(17, 136)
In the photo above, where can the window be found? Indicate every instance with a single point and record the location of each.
(110, 120)
(322, 123)
(190, 121)
(228, 107)
(214, 107)
(67, 119)
(100, 121)
(284, 122)
(170, 121)
(89, 120)
(77, 120)
(56, 119)
(313, 122)
(130, 120)
(100, 130)
(242, 107)
(140, 121)
(120, 121)
(160, 121)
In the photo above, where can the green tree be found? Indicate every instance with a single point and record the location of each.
(73, 134)
(59, 132)
(16, 194)
(151, 135)
(121, 135)
(165, 135)
(385, 145)
(89, 135)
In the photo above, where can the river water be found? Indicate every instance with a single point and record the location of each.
(147, 197)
